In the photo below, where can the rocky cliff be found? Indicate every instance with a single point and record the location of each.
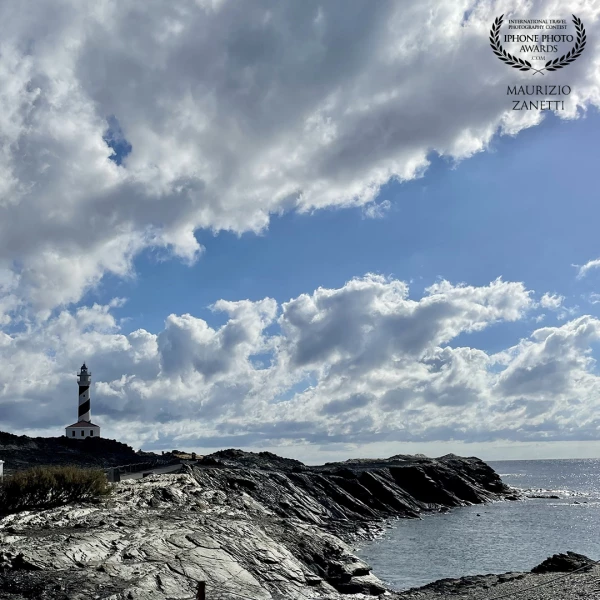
(252, 526)
(20, 452)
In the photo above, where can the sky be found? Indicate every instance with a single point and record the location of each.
(317, 229)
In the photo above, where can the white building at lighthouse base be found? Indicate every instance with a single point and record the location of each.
(82, 429)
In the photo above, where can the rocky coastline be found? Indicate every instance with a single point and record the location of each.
(258, 527)
(253, 526)
(567, 576)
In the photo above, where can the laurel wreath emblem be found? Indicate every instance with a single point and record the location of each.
(524, 65)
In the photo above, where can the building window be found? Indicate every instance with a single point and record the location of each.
(82, 433)
(91, 432)
(73, 432)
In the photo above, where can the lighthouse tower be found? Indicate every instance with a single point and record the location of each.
(84, 426)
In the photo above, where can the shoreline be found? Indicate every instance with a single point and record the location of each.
(388, 525)
(417, 583)
(574, 584)
(260, 525)
(250, 524)
(254, 525)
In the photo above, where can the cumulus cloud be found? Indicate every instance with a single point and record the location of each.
(552, 301)
(553, 363)
(133, 126)
(189, 345)
(244, 112)
(372, 317)
(359, 364)
(556, 303)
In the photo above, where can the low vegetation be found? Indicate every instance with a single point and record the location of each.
(44, 487)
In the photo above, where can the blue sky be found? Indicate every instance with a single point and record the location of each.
(525, 210)
(295, 227)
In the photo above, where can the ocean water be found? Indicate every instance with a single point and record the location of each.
(497, 537)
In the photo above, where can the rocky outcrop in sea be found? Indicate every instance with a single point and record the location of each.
(253, 526)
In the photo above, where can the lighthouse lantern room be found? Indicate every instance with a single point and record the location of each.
(84, 427)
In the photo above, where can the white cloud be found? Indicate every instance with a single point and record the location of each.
(555, 303)
(376, 210)
(188, 345)
(249, 111)
(245, 112)
(583, 270)
(330, 325)
(552, 301)
(554, 363)
(355, 365)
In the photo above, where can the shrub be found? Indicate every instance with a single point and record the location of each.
(44, 487)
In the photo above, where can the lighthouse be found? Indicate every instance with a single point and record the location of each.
(84, 427)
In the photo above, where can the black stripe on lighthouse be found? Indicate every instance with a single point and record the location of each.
(83, 408)
(83, 388)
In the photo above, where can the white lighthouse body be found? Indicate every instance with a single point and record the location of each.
(84, 426)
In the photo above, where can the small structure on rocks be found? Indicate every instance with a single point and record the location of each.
(83, 427)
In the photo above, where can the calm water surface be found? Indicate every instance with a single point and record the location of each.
(498, 537)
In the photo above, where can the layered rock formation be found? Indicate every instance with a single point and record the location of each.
(346, 496)
(252, 526)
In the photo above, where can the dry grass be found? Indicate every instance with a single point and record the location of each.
(43, 487)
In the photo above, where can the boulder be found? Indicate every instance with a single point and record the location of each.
(564, 563)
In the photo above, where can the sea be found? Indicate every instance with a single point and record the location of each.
(498, 537)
